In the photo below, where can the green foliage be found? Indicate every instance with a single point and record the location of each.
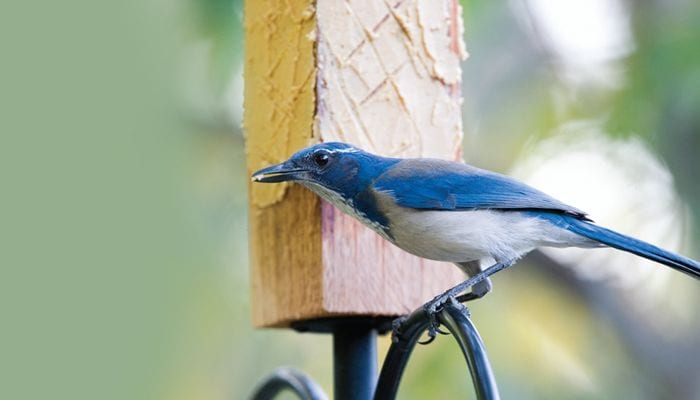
(662, 96)
(221, 22)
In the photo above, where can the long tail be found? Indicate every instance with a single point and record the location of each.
(628, 244)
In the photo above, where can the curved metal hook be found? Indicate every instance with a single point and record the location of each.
(455, 317)
(288, 379)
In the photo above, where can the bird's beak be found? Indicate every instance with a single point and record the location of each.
(278, 173)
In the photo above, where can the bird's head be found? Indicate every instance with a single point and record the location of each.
(334, 167)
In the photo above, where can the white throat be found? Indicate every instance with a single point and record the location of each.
(345, 205)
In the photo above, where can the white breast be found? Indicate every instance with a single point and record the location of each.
(346, 206)
(459, 236)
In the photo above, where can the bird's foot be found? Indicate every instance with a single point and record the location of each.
(396, 328)
(432, 309)
(434, 306)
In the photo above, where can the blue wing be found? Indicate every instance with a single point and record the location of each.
(443, 185)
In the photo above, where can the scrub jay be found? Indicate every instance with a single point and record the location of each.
(449, 211)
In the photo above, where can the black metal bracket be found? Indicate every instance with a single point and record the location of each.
(455, 317)
(289, 379)
(354, 349)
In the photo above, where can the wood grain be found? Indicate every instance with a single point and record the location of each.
(379, 75)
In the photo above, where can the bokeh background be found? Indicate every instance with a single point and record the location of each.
(123, 228)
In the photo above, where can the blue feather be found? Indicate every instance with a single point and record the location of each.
(443, 185)
(623, 242)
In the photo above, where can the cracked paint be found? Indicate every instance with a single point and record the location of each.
(279, 92)
(388, 80)
(381, 74)
(388, 72)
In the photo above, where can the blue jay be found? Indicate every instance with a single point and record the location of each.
(448, 211)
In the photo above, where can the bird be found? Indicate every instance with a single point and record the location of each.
(451, 211)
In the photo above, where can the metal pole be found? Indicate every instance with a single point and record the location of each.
(354, 361)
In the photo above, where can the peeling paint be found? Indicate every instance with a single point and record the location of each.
(280, 80)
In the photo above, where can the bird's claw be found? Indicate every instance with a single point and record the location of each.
(440, 331)
(432, 308)
(431, 336)
(396, 328)
(433, 330)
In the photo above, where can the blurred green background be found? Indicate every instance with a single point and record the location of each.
(123, 232)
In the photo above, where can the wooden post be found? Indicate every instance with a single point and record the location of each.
(383, 75)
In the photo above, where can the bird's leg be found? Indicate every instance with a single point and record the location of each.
(433, 306)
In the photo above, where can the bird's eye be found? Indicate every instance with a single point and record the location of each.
(321, 159)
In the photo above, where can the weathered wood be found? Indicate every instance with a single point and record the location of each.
(382, 75)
